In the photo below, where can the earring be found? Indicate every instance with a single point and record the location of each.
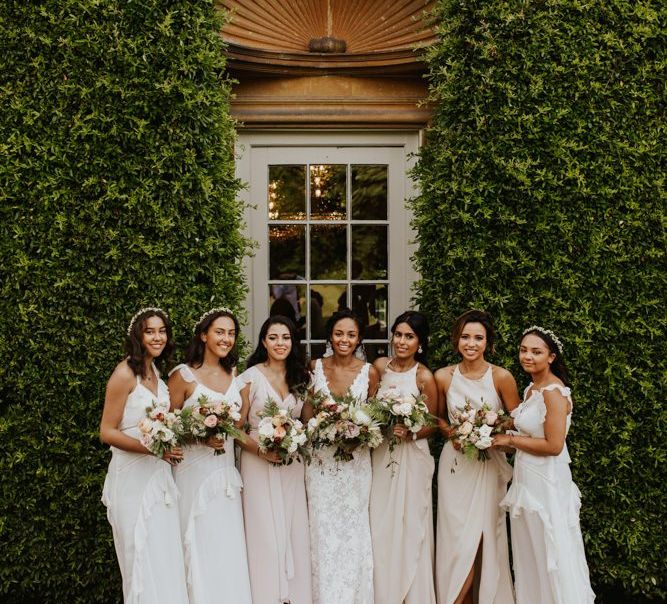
(420, 350)
(360, 352)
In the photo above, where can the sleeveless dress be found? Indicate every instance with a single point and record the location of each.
(338, 501)
(401, 511)
(543, 502)
(142, 507)
(469, 493)
(211, 513)
(275, 511)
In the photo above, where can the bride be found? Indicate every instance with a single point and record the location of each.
(338, 492)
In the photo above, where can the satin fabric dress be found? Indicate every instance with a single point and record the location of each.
(547, 547)
(401, 510)
(211, 512)
(142, 507)
(469, 494)
(275, 511)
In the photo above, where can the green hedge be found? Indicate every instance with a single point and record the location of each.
(543, 202)
(117, 190)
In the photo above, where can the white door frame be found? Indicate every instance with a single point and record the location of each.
(249, 146)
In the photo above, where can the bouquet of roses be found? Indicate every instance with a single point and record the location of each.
(473, 429)
(280, 432)
(391, 408)
(161, 430)
(343, 422)
(209, 419)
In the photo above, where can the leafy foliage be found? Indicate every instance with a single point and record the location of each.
(117, 190)
(543, 202)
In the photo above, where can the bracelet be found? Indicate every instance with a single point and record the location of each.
(511, 442)
(414, 436)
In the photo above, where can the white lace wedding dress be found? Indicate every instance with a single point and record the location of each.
(338, 511)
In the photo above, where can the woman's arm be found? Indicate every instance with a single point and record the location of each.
(555, 423)
(248, 443)
(428, 387)
(120, 385)
(373, 381)
(179, 390)
(443, 378)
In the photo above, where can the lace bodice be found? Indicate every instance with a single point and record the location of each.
(358, 388)
(138, 400)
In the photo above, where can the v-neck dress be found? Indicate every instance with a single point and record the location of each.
(142, 507)
(211, 512)
(275, 510)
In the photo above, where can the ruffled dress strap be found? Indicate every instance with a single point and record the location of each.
(564, 390)
(186, 373)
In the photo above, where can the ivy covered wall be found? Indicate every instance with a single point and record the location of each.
(543, 201)
(117, 190)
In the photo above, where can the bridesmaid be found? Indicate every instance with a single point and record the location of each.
(472, 558)
(339, 491)
(401, 504)
(547, 547)
(139, 490)
(209, 484)
(274, 496)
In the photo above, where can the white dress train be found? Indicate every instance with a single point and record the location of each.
(142, 507)
(543, 502)
(338, 513)
(211, 513)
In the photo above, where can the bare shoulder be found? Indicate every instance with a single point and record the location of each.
(311, 364)
(500, 374)
(123, 373)
(444, 374)
(381, 364)
(424, 374)
(373, 372)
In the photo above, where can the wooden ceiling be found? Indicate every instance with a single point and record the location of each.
(274, 36)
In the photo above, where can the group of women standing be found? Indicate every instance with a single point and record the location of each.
(195, 530)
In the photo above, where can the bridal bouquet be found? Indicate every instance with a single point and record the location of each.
(342, 422)
(208, 419)
(473, 429)
(391, 408)
(161, 430)
(279, 431)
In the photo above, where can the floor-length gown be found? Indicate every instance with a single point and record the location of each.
(338, 502)
(543, 502)
(469, 494)
(275, 511)
(401, 510)
(142, 507)
(211, 512)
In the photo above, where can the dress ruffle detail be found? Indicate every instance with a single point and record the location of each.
(227, 480)
(161, 489)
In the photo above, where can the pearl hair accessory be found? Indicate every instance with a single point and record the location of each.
(209, 313)
(141, 312)
(546, 332)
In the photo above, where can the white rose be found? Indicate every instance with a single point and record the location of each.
(484, 442)
(465, 428)
(292, 448)
(485, 431)
(361, 417)
(265, 428)
(300, 439)
(312, 423)
(235, 415)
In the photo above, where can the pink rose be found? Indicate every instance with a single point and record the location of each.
(211, 421)
(491, 418)
(465, 428)
(352, 430)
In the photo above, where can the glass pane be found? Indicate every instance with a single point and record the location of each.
(369, 251)
(287, 251)
(287, 192)
(369, 192)
(370, 303)
(317, 351)
(328, 250)
(327, 192)
(289, 301)
(324, 301)
(373, 351)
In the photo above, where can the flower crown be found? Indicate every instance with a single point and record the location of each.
(546, 332)
(141, 312)
(208, 313)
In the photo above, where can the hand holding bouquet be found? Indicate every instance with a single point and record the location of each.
(210, 420)
(473, 429)
(342, 422)
(279, 432)
(162, 432)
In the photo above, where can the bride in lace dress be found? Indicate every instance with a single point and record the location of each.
(339, 492)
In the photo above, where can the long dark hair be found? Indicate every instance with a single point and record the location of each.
(194, 353)
(297, 375)
(339, 315)
(474, 316)
(419, 324)
(558, 367)
(134, 348)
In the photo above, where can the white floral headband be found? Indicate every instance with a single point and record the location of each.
(141, 312)
(208, 313)
(546, 332)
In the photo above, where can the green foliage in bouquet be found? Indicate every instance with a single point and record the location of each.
(542, 200)
(117, 191)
